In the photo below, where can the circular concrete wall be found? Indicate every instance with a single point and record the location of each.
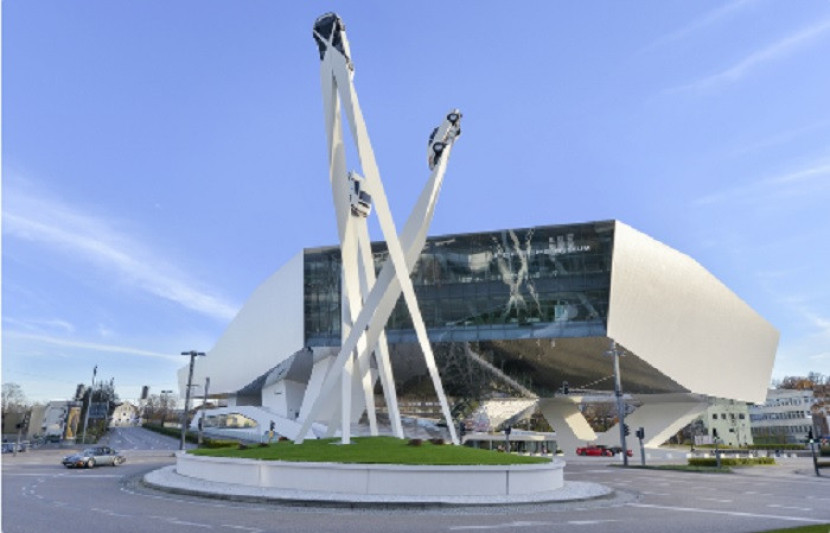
(378, 479)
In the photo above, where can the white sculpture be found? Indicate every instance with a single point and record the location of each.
(367, 301)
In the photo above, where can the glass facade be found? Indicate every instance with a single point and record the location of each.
(541, 282)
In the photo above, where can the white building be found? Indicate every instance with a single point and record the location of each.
(785, 417)
(730, 421)
(124, 414)
(524, 309)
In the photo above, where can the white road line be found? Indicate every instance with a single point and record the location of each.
(729, 513)
(501, 526)
(719, 500)
(776, 506)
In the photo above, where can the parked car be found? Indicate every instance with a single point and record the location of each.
(10, 447)
(616, 449)
(91, 457)
(595, 451)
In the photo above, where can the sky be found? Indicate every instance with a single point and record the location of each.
(161, 159)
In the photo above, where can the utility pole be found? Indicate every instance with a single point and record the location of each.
(193, 354)
(89, 403)
(618, 392)
(165, 398)
(204, 403)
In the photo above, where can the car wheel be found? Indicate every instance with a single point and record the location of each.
(90, 463)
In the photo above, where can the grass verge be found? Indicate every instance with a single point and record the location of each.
(684, 468)
(820, 528)
(371, 450)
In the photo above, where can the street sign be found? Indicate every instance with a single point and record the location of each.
(98, 410)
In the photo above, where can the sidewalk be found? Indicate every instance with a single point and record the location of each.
(167, 479)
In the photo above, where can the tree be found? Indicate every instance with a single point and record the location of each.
(14, 401)
(159, 407)
(796, 383)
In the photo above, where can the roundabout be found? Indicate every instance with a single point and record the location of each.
(371, 485)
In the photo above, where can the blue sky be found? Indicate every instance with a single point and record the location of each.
(161, 159)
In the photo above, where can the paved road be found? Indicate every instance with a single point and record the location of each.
(40, 495)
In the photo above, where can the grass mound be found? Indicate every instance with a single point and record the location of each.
(371, 450)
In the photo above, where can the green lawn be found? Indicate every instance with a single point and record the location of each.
(822, 528)
(371, 450)
(684, 468)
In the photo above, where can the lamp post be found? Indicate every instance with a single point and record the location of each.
(164, 397)
(618, 392)
(193, 354)
(89, 404)
(204, 403)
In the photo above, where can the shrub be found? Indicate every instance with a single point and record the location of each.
(731, 461)
(415, 442)
(243, 446)
(437, 441)
(219, 443)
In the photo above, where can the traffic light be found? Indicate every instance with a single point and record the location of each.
(565, 388)
(810, 436)
(641, 433)
(626, 430)
(273, 425)
(714, 433)
(145, 391)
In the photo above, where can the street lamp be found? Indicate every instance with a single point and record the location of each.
(193, 354)
(618, 392)
(164, 399)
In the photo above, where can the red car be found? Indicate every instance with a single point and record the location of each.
(595, 451)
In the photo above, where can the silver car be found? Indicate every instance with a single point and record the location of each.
(91, 457)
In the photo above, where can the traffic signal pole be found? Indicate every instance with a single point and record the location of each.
(620, 403)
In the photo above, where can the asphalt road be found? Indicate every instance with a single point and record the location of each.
(39, 495)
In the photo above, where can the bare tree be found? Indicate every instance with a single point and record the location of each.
(14, 401)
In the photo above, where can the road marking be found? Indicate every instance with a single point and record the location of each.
(589, 522)
(729, 513)
(719, 500)
(656, 493)
(775, 505)
(501, 526)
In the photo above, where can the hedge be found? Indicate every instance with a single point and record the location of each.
(731, 461)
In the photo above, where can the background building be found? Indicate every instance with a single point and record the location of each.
(784, 418)
(512, 313)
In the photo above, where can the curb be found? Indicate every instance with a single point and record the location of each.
(167, 480)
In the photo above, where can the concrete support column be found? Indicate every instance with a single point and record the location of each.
(564, 416)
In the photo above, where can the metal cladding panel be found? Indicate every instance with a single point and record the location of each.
(671, 312)
(267, 330)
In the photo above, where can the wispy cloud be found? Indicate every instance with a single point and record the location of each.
(790, 184)
(109, 348)
(49, 222)
(777, 50)
(707, 19)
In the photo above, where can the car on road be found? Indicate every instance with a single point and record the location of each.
(616, 449)
(91, 457)
(11, 447)
(594, 451)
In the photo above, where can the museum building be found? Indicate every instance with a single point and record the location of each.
(517, 313)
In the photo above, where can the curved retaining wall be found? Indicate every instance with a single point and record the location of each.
(359, 479)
